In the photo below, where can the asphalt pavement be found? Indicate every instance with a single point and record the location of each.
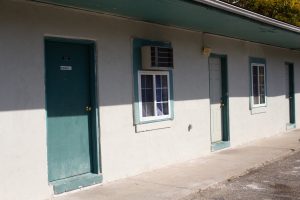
(278, 180)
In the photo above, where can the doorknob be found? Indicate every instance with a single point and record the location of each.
(222, 105)
(88, 108)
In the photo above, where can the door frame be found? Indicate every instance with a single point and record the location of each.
(292, 104)
(95, 148)
(225, 101)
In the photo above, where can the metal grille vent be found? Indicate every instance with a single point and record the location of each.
(161, 57)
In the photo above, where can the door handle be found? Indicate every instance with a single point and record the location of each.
(222, 105)
(88, 108)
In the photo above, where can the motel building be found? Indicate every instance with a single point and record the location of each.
(93, 91)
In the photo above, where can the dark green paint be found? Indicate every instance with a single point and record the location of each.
(225, 97)
(76, 182)
(137, 65)
(257, 60)
(291, 93)
(191, 15)
(95, 126)
(71, 130)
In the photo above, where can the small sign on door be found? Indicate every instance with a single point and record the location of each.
(65, 68)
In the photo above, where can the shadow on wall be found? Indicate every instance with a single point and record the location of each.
(22, 89)
(22, 84)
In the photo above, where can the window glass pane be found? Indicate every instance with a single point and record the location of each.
(158, 95)
(165, 81)
(262, 90)
(158, 81)
(143, 95)
(165, 95)
(256, 100)
(262, 85)
(147, 88)
(143, 81)
(165, 108)
(255, 69)
(162, 96)
(160, 109)
(262, 99)
(147, 95)
(261, 80)
(147, 81)
(255, 84)
(261, 71)
(148, 109)
(161, 88)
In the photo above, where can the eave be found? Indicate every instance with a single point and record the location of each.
(214, 17)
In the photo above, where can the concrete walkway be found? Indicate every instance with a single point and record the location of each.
(180, 180)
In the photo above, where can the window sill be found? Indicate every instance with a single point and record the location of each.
(258, 110)
(156, 125)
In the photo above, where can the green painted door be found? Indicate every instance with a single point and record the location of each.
(68, 109)
(291, 93)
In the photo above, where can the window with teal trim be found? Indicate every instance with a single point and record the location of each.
(153, 90)
(258, 83)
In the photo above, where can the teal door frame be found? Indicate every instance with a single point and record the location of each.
(224, 104)
(291, 93)
(95, 155)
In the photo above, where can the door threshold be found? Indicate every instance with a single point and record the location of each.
(219, 145)
(76, 182)
(290, 126)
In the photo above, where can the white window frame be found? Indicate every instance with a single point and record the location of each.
(265, 85)
(156, 117)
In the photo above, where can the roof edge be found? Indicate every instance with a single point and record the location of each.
(249, 14)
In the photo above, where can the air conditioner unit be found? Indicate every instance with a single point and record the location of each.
(157, 58)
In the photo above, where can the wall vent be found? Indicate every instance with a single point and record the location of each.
(157, 58)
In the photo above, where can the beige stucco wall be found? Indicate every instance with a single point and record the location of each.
(124, 151)
(275, 116)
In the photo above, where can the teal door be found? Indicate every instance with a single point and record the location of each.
(291, 93)
(68, 109)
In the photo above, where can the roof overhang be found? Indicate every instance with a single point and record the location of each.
(208, 16)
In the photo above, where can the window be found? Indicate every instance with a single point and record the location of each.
(154, 95)
(153, 88)
(258, 74)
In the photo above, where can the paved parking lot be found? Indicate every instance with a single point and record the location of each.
(278, 180)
